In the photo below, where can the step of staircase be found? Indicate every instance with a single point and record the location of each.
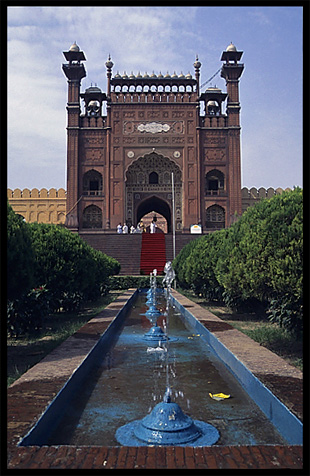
(153, 253)
(126, 249)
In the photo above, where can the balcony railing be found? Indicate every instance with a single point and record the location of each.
(93, 193)
(221, 193)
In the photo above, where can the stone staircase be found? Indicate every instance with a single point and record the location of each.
(127, 249)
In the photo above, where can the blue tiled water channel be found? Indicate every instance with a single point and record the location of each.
(126, 380)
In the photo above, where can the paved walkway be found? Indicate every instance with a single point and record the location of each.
(29, 396)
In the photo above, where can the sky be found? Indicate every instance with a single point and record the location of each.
(158, 39)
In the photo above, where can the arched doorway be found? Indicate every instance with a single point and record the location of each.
(148, 189)
(157, 205)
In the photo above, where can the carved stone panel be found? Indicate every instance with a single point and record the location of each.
(93, 155)
(190, 127)
(214, 154)
(130, 114)
(191, 154)
(153, 127)
(192, 206)
(178, 114)
(93, 141)
(117, 153)
(116, 189)
(212, 140)
(117, 127)
(191, 189)
(116, 206)
(191, 171)
(117, 173)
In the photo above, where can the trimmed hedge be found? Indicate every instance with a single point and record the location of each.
(50, 269)
(126, 282)
(67, 265)
(20, 256)
(258, 261)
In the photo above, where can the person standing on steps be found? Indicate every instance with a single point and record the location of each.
(125, 228)
(153, 227)
(119, 228)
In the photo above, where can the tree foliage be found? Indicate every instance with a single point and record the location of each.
(50, 268)
(20, 258)
(67, 265)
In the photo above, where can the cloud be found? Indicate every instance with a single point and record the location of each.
(146, 39)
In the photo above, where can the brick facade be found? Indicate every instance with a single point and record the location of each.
(124, 145)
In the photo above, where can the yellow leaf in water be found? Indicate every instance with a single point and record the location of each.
(219, 396)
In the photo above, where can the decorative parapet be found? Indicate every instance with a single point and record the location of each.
(43, 206)
(251, 195)
(35, 193)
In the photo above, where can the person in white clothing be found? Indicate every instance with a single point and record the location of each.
(119, 228)
(125, 228)
(153, 227)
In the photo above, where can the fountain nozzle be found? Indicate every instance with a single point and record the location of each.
(167, 396)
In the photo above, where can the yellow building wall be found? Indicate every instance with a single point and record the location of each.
(42, 206)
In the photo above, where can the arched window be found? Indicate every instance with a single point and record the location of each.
(214, 182)
(153, 178)
(92, 183)
(92, 217)
(215, 217)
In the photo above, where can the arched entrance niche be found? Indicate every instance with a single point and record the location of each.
(157, 205)
(148, 188)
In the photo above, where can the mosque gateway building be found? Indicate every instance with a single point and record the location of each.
(127, 146)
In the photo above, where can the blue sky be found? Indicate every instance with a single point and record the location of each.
(155, 39)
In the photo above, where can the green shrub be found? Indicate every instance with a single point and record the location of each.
(20, 258)
(71, 269)
(27, 313)
(126, 282)
(264, 259)
(287, 312)
(257, 263)
(201, 265)
(180, 262)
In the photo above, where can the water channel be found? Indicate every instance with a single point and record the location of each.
(131, 379)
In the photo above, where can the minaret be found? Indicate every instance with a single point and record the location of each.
(109, 65)
(231, 72)
(74, 71)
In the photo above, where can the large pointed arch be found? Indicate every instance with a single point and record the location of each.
(155, 204)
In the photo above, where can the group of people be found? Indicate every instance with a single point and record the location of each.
(140, 228)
